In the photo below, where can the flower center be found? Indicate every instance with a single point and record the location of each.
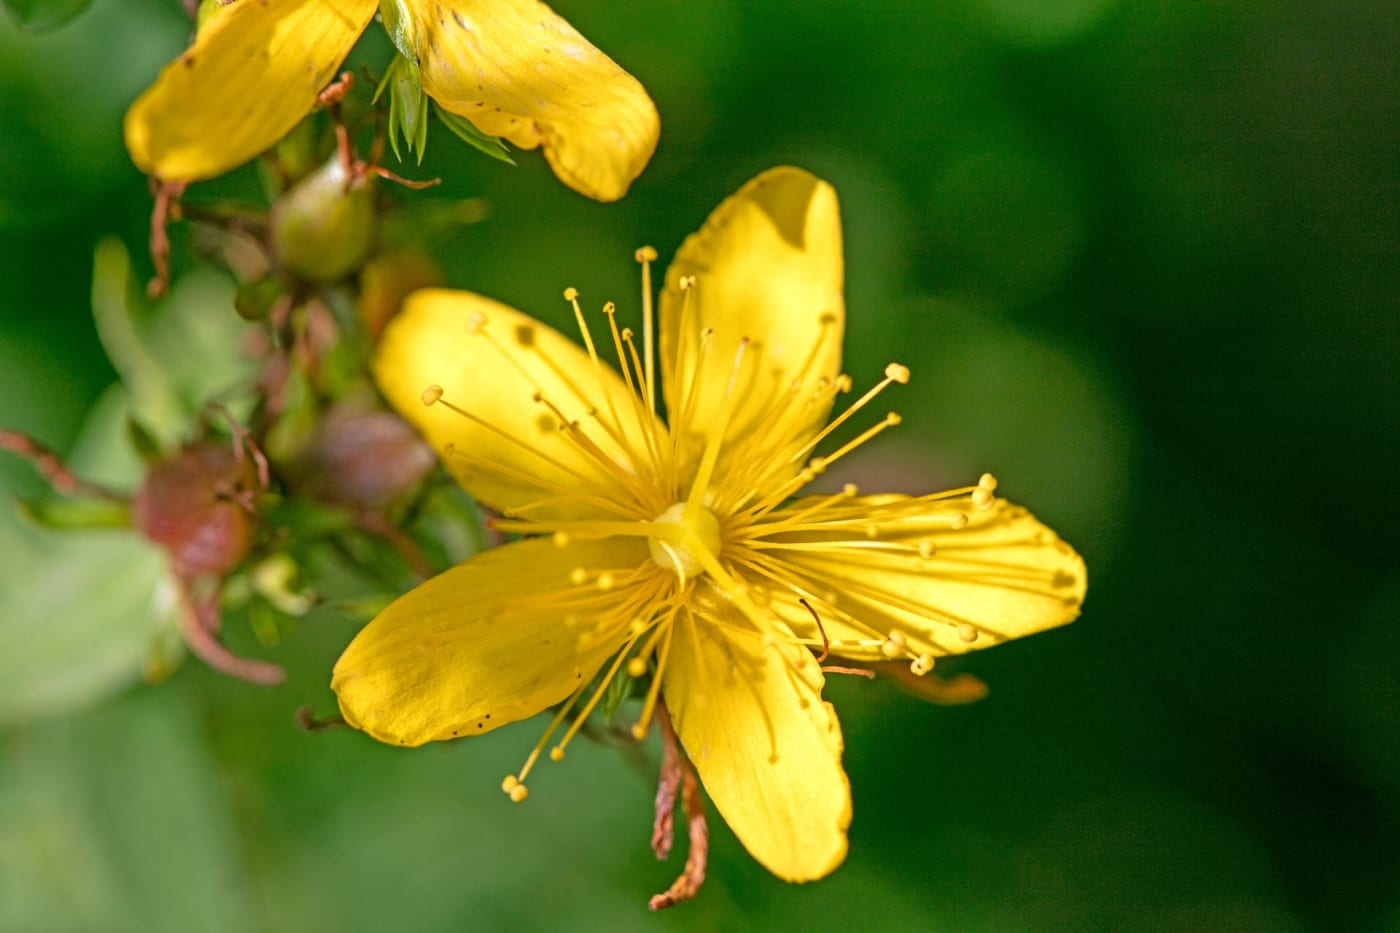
(680, 551)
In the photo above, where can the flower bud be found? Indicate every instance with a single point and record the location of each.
(324, 226)
(186, 506)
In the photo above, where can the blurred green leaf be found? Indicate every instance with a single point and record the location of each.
(43, 15)
(173, 358)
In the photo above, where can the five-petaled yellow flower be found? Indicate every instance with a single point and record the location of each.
(682, 550)
(513, 68)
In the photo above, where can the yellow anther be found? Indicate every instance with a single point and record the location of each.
(893, 419)
(609, 308)
(646, 254)
(843, 383)
(927, 549)
(921, 665)
(476, 322)
(570, 293)
(895, 645)
(850, 490)
(967, 632)
(578, 576)
(449, 449)
(561, 539)
(817, 465)
(639, 731)
(431, 395)
(897, 373)
(636, 667)
(556, 753)
(606, 581)
(637, 626)
(959, 522)
(518, 793)
(982, 498)
(987, 481)
(686, 282)
(510, 783)
(626, 334)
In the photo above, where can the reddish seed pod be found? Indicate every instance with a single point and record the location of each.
(363, 459)
(190, 505)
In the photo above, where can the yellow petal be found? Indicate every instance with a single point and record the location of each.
(252, 73)
(767, 748)
(515, 454)
(768, 267)
(483, 644)
(516, 69)
(1003, 576)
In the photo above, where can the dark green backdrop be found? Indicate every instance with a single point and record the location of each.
(1143, 260)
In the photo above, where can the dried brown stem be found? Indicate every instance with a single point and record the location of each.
(692, 876)
(307, 722)
(166, 207)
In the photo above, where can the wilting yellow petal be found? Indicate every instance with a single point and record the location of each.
(518, 70)
(767, 748)
(515, 454)
(768, 267)
(251, 75)
(483, 644)
(1002, 576)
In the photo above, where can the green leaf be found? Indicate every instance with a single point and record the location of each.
(469, 134)
(42, 15)
(172, 358)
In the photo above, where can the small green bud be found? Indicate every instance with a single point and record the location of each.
(324, 227)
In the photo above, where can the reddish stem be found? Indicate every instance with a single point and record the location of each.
(200, 620)
(51, 467)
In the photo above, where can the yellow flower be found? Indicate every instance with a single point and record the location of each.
(512, 67)
(679, 551)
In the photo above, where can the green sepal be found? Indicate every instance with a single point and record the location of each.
(76, 513)
(467, 132)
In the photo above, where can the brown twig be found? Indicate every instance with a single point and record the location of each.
(692, 876)
(166, 207)
(307, 722)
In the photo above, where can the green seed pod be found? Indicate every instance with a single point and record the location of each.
(324, 227)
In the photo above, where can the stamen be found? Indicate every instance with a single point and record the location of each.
(646, 256)
(895, 645)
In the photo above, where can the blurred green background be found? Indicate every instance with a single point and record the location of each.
(1144, 261)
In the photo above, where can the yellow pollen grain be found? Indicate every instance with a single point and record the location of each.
(510, 783)
(556, 754)
(518, 793)
(432, 394)
(967, 632)
(850, 490)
